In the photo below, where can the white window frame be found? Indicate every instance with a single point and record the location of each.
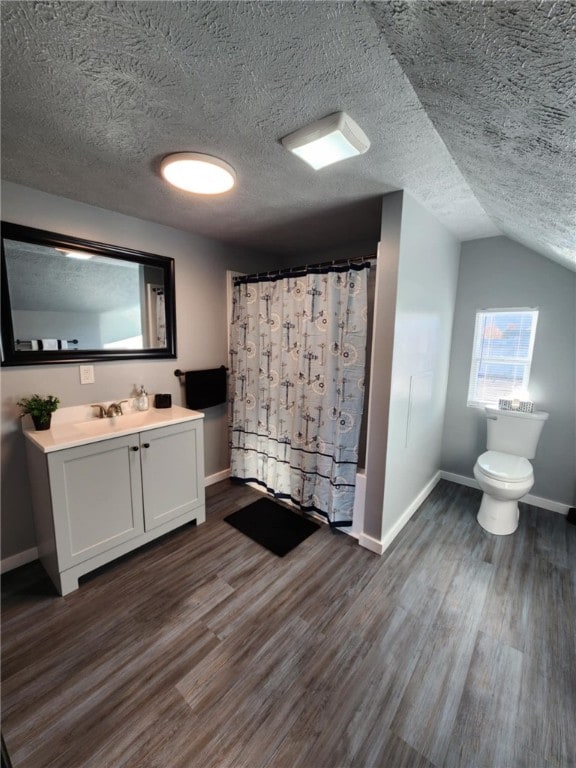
(480, 356)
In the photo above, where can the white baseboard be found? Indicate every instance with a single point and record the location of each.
(217, 477)
(460, 479)
(381, 545)
(29, 555)
(369, 542)
(21, 558)
(535, 501)
(378, 546)
(409, 511)
(548, 504)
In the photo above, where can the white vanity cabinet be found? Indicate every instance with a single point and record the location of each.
(97, 501)
(171, 483)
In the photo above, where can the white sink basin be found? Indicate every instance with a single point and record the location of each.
(95, 427)
(135, 419)
(73, 429)
(113, 424)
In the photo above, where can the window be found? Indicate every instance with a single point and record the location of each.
(501, 355)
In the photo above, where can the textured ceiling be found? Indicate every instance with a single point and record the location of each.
(43, 280)
(469, 107)
(498, 81)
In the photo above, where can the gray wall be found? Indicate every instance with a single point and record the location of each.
(57, 325)
(425, 299)
(381, 362)
(201, 267)
(498, 273)
(358, 249)
(413, 310)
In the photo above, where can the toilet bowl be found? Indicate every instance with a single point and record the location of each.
(504, 479)
(503, 472)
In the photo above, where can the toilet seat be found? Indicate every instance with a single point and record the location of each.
(505, 467)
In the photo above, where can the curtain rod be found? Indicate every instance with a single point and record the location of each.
(339, 264)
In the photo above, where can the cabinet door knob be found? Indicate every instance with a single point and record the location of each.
(134, 448)
(145, 445)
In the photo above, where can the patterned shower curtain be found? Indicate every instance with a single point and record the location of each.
(298, 345)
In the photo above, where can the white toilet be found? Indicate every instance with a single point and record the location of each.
(503, 472)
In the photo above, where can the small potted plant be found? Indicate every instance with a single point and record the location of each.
(40, 408)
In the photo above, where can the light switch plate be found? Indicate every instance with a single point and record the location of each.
(86, 374)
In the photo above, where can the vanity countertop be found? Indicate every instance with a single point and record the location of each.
(74, 426)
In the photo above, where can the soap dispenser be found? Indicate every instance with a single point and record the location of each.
(142, 399)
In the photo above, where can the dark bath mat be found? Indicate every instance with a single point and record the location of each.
(273, 526)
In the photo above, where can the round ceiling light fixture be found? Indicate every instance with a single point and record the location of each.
(82, 255)
(198, 173)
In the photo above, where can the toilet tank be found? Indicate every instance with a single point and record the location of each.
(514, 431)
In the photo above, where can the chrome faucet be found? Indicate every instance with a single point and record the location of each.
(101, 410)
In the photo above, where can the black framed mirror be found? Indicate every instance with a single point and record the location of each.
(68, 300)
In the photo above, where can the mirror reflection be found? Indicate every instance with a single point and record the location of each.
(69, 299)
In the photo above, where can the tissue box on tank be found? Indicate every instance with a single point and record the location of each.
(526, 406)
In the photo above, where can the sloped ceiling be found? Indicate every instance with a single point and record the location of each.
(498, 81)
(469, 106)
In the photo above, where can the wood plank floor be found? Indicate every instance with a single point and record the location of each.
(203, 650)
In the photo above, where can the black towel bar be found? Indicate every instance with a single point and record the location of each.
(24, 341)
(178, 373)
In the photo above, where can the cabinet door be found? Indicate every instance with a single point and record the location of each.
(97, 497)
(172, 472)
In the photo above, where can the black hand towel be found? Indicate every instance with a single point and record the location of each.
(205, 389)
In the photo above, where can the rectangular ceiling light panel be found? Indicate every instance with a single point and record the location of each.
(328, 141)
